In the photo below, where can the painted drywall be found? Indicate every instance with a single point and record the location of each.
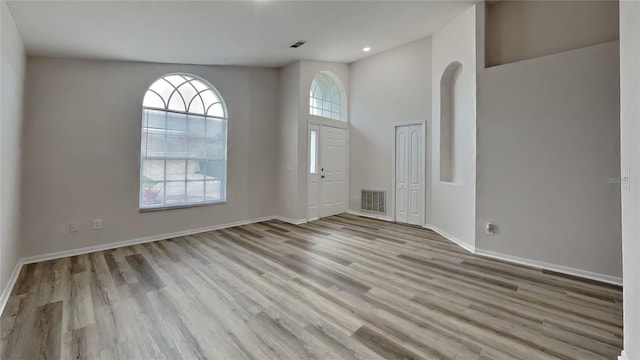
(630, 154)
(295, 83)
(288, 140)
(520, 30)
(548, 159)
(453, 204)
(308, 70)
(388, 88)
(12, 70)
(81, 151)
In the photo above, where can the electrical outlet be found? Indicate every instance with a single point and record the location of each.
(97, 224)
(73, 228)
(490, 228)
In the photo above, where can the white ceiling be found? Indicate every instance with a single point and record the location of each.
(256, 33)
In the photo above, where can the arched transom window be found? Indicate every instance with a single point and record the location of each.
(183, 157)
(325, 98)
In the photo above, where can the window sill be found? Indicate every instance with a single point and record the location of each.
(451, 183)
(175, 207)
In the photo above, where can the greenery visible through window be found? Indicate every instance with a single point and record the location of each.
(324, 97)
(183, 155)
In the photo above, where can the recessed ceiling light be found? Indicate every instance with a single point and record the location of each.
(366, 49)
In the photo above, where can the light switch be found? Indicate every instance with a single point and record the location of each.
(626, 179)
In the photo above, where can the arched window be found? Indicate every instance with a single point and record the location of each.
(183, 155)
(325, 98)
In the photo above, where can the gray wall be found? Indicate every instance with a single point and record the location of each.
(386, 89)
(308, 70)
(629, 131)
(12, 71)
(453, 204)
(294, 118)
(81, 149)
(520, 30)
(288, 140)
(548, 142)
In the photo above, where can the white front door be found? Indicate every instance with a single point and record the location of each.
(327, 189)
(333, 170)
(409, 174)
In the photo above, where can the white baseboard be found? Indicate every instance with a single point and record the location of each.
(552, 267)
(6, 292)
(529, 262)
(290, 221)
(513, 259)
(142, 240)
(470, 248)
(4, 298)
(623, 356)
(369, 215)
(86, 250)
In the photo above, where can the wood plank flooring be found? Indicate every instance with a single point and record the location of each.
(342, 287)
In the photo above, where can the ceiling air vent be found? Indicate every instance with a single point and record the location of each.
(373, 201)
(298, 44)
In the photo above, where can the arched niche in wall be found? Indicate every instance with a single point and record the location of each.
(448, 83)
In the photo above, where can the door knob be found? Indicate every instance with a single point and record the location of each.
(322, 177)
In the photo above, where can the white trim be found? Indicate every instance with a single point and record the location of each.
(142, 240)
(290, 221)
(553, 267)
(90, 249)
(396, 125)
(4, 298)
(470, 248)
(529, 262)
(512, 259)
(319, 125)
(370, 215)
(323, 121)
(623, 356)
(6, 292)
(313, 127)
(408, 123)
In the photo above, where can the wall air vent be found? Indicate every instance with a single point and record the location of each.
(298, 44)
(373, 201)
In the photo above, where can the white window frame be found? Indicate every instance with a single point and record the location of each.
(191, 91)
(325, 97)
(316, 148)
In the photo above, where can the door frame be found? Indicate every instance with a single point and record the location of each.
(316, 127)
(338, 124)
(423, 200)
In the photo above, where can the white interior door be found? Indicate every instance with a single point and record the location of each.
(409, 175)
(327, 189)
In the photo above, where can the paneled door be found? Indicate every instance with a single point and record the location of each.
(409, 176)
(327, 189)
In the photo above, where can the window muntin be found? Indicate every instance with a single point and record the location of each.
(325, 98)
(183, 157)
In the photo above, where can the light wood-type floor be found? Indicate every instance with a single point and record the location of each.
(342, 287)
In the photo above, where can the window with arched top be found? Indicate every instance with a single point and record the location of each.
(183, 154)
(325, 97)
